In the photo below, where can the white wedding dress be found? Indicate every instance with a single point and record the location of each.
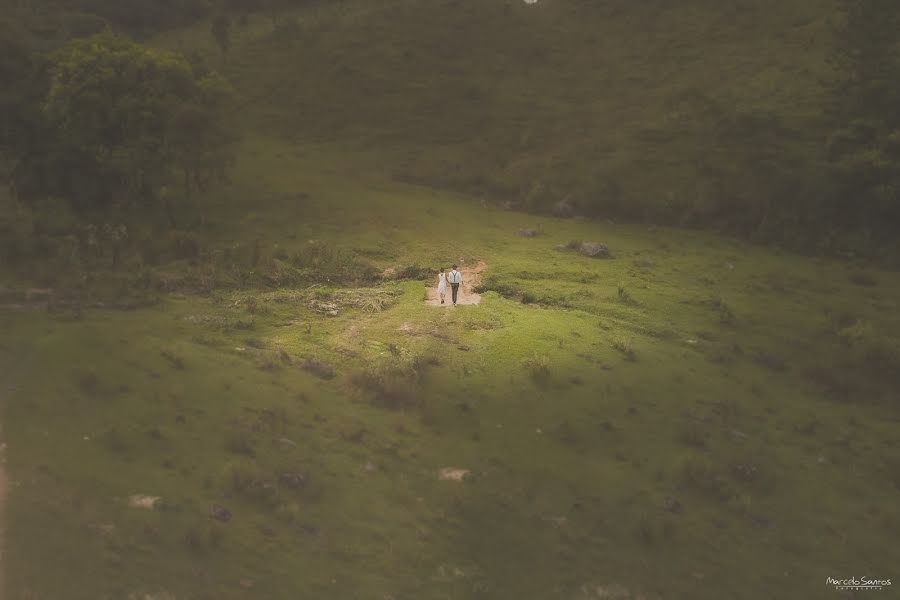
(442, 285)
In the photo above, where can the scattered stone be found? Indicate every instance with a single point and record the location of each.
(246, 583)
(745, 472)
(529, 233)
(293, 479)
(821, 460)
(453, 474)
(645, 263)
(286, 444)
(613, 590)
(329, 308)
(370, 467)
(220, 513)
(593, 250)
(672, 505)
(180, 419)
(463, 347)
(318, 368)
(142, 501)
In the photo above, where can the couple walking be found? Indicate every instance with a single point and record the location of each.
(454, 278)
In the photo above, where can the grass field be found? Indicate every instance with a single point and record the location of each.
(693, 417)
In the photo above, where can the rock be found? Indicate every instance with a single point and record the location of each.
(246, 583)
(318, 368)
(285, 444)
(142, 501)
(220, 513)
(593, 250)
(293, 479)
(453, 474)
(645, 263)
(612, 591)
(672, 505)
(463, 347)
(529, 233)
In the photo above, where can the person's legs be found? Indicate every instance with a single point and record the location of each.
(455, 290)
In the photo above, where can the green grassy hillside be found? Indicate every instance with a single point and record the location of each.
(532, 104)
(691, 418)
(694, 417)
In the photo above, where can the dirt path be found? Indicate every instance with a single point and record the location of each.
(471, 278)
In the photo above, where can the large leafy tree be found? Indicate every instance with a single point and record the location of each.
(118, 111)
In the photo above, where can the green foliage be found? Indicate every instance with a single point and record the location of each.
(864, 148)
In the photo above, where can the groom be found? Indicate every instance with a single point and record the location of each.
(454, 278)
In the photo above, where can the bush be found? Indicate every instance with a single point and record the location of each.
(626, 349)
(698, 472)
(538, 368)
(394, 386)
(878, 352)
(240, 442)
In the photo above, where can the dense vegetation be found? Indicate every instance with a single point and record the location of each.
(220, 379)
(774, 121)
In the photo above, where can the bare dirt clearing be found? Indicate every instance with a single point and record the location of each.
(471, 278)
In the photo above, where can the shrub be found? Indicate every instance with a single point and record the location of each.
(698, 472)
(538, 368)
(626, 349)
(174, 359)
(240, 442)
(692, 435)
(390, 387)
(318, 368)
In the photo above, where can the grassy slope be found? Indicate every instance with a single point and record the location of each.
(600, 440)
(573, 447)
(511, 99)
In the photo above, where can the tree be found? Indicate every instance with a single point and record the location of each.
(117, 109)
(221, 31)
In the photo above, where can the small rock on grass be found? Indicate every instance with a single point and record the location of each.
(143, 501)
(672, 505)
(220, 513)
(453, 474)
(285, 444)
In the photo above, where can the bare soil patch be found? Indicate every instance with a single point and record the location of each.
(471, 278)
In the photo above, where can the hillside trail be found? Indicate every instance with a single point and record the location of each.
(471, 279)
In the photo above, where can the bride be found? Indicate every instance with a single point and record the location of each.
(442, 284)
